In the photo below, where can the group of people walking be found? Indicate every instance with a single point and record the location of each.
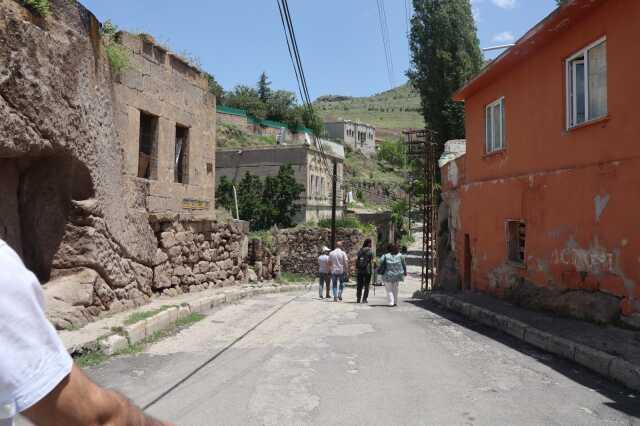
(334, 271)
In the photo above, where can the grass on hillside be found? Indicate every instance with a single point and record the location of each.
(398, 108)
(359, 167)
(232, 136)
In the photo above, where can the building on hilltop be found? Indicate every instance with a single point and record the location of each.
(167, 126)
(359, 136)
(545, 200)
(308, 166)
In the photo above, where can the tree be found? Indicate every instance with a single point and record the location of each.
(264, 87)
(247, 98)
(282, 193)
(215, 88)
(224, 194)
(279, 105)
(250, 196)
(445, 54)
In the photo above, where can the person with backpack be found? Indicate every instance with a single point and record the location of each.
(364, 270)
(393, 269)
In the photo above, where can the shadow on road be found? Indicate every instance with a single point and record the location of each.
(622, 399)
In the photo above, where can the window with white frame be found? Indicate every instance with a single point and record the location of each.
(494, 126)
(587, 84)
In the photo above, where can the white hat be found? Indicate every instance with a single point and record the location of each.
(325, 249)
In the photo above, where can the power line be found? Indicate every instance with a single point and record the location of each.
(296, 59)
(386, 44)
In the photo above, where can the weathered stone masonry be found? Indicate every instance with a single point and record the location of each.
(72, 202)
(195, 256)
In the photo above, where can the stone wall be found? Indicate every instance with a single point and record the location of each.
(299, 248)
(194, 256)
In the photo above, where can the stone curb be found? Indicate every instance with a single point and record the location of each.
(141, 330)
(609, 366)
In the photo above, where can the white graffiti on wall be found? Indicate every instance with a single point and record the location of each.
(593, 261)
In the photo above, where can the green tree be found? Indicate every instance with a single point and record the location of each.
(264, 87)
(215, 88)
(282, 193)
(392, 151)
(445, 54)
(280, 105)
(224, 194)
(247, 98)
(250, 197)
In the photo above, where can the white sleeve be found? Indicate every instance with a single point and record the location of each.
(33, 360)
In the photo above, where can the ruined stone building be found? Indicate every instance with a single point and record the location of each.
(106, 181)
(308, 165)
(359, 136)
(543, 205)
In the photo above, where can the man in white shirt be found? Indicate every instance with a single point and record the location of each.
(37, 375)
(324, 271)
(339, 270)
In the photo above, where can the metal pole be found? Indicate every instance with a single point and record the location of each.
(334, 203)
(235, 197)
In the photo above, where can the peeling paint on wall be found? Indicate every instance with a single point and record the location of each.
(600, 204)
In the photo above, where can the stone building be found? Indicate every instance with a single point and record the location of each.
(166, 124)
(106, 180)
(308, 167)
(358, 136)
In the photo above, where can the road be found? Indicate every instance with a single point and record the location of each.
(324, 363)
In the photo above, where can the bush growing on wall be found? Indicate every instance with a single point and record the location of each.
(117, 54)
(39, 7)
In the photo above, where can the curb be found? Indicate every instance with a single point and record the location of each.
(609, 366)
(141, 330)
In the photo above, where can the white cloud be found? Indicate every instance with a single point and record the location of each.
(504, 37)
(505, 4)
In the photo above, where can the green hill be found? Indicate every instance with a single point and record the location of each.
(394, 110)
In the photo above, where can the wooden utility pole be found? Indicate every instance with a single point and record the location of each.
(334, 204)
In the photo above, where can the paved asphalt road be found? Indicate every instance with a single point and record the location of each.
(325, 363)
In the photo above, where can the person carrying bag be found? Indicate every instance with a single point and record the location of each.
(393, 270)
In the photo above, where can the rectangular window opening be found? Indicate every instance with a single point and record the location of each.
(587, 84)
(494, 126)
(516, 241)
(148, 146)
(182, 155)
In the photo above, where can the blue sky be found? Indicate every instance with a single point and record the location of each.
(339, 40)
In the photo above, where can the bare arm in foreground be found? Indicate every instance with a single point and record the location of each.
(79, 401)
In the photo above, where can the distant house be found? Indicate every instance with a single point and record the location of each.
(308, 165)
(359, 136)
(545, 201)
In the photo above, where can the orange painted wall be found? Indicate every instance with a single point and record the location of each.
(552, 178)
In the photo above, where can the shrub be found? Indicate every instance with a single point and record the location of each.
(39, 7)
(117, 54)
(118, 57)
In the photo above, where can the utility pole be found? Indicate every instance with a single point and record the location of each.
(334, 204)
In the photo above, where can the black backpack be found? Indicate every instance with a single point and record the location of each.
(363, 261)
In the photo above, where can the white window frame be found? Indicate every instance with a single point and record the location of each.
(571, 102)
(489, 145)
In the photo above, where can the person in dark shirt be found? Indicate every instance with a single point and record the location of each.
(364, 267)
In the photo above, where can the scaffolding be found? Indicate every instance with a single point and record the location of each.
(421, 151)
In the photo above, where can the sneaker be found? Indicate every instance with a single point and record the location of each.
(365, 301)
(340, 297)
(335, 299)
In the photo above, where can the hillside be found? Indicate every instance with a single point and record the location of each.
(394, 110)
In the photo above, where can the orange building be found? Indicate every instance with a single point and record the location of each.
(548, 194)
